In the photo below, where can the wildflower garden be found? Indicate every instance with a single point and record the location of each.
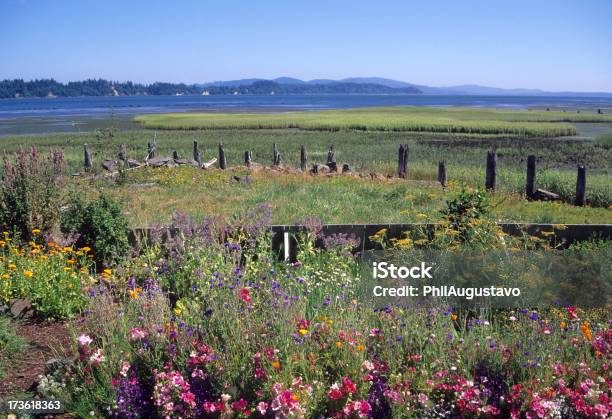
(201, 317)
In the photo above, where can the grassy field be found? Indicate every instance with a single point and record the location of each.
(410, 119)
(152, 195)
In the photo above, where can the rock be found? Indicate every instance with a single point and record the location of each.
(133, 163)
(376, 176)
(55, 364)
(243, 180)
(320, 168)
(159, 161)
(182, 161)
(544, 195)
(346, 168)
(21, 308)
(109, 165)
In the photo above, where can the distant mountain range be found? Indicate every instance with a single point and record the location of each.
(467, 89)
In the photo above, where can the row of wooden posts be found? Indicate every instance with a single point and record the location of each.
(402, 167)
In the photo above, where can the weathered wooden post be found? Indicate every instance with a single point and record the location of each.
(530, 187)
(87, 160)
(152, 147)
(248, 158)
(402, 161)
(331, 159)
(442, 173)
(196, 152)
(122, 154)
(491, 171)
(222, 160)
(276, 156)
(175, 155)
(581, 186)
(599, 111)
(303, 158)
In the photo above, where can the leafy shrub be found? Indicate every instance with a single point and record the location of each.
(30, 191)
(99, 224)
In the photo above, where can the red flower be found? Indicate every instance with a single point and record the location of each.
(348, 386)
(334, 392)
(245, 295)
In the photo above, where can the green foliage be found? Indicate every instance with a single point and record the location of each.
(467, 206)
(30, 189)
(604, 139)
(99, 224)
(10, 344)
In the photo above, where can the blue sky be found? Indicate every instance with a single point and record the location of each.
(553, 45)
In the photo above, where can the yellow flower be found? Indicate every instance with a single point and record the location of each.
(86, 249)
(178, 311)
(71, 261)
(107, 271)
(5, 276)
(28, 273)
(12, 266)
(303, 332)
(36, 231)
(134, 293)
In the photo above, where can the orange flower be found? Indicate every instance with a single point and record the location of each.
(275, 365)
(28, 273)
(586, 331)
(338, 344)
(454, 317)
(360, 347)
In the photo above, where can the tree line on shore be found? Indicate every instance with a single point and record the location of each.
(17, 88)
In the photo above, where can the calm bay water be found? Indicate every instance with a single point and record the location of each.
(35, 116)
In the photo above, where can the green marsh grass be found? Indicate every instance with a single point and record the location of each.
(409, 119)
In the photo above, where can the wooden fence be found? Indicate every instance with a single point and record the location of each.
(283, 236)
(151, 159)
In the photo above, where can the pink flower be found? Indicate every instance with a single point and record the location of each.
(262, 408)
(97, 357)
(84, 340)
(125, 367)
(137, 334)
(368, 365)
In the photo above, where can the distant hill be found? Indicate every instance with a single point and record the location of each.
(468, 89)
